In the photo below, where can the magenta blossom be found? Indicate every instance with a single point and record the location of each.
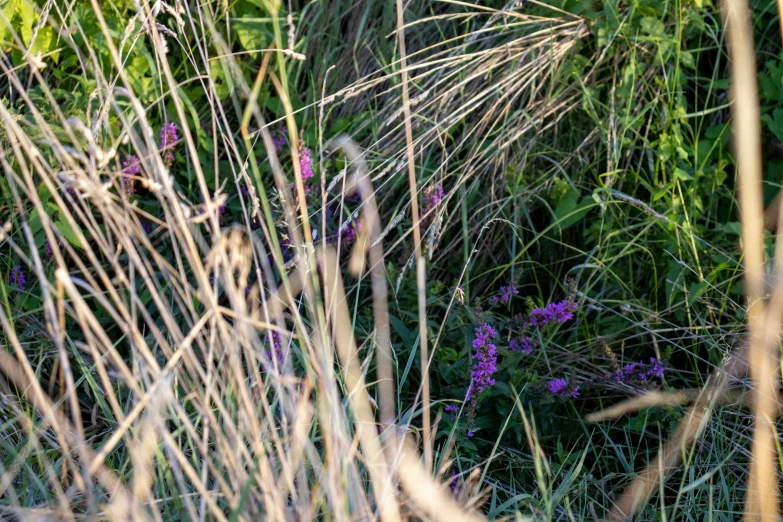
(561, 388)
(305, 162)
(524, 345)
(639, 371)
(18, 279)
(279, 140)
(552, 313)
(505, 294)
(130, 168)
(277, 350)
(485, 358)
(168, 138)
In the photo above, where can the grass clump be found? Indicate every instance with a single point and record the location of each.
(358, 260)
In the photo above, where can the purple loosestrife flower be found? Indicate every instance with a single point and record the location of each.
(485, 358)
(18, 279)
(524, 345)
(305, 162)
(432, 197)
(279, 140)
(561, 388)
(168, 138)
(130, 167)
(349, 233)
(552, 313)
(505, 294)
(638, 371)
(453, 485)
(277, 349)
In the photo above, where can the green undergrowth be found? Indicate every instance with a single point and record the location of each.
(584, 154)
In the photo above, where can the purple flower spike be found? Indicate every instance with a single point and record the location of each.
(505, 294)
(432, 197)
(524, 345)
(638, 371)
(485, 358)
(130, 167)
(305, 162)
(18, 279)
(561, 388)
(277, 348)
(553, 313)
(168, 138)
(279, 141)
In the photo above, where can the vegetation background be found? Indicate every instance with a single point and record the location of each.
(172, 345)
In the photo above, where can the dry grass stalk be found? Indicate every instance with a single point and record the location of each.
(421, 276)
(764, 356)
(760, 351)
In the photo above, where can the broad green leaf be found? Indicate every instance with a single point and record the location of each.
(251, 32)
(571, 209)
(26, 20)
(68, 233)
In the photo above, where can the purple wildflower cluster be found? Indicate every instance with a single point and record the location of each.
(638, 371)
(279, 140)
(18, 279)
(305, 162)
(168, 137)
(562, 388)
(553, 313)
(432, 197)
(454, 483)
(524, 344)
(277, 350)
(350, 232)
(485, 359)
(130, 168)
(506, 292)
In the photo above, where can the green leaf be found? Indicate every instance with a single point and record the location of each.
(68, 233)
(687, 60)
(571, 209)
(9, 9)
(251, 32)
(775, 123)
(681, 175)
(26, 19)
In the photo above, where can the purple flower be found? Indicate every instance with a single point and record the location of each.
(485, 358)
(130, 168)
(168, 138)
(553, 312)
(18, 279)
(451, 408)
(524, 345)
(432, 197)
(453, 485)
(561, 388)
(305, 162)
(279, 140)
(656, 368)
(470, 433)
(349, 233)
(48, 249)
(638, 371)
(277, 348)
(505, 294)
